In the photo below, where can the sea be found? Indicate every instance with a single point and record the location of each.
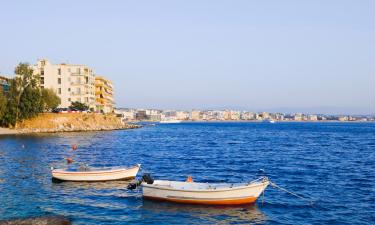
(331, 166)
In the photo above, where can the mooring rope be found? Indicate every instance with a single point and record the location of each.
(291, 193)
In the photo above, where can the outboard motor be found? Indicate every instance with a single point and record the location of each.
(147, 178)
(132, 186)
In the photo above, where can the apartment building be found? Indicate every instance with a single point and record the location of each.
(70, 82)
(104, 95)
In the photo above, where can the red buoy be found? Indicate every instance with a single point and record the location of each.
(69, 160)
(74, 147)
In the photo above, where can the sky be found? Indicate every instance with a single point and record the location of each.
(288, 56)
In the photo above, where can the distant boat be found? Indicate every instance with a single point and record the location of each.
(204, 193)
(268, 121)
(170, 121)
(95, 174)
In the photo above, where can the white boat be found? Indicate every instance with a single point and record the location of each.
(95, 174)
(170, 121)
(268, 121)
(204, 193)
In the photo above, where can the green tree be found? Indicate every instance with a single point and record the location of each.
(79, 106)
(3, 103)
(49, 99)
(25, 80)
(30, 103)
(9, 118)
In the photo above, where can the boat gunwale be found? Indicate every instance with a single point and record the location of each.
(92, 181)
(251, 185)
(61, 171)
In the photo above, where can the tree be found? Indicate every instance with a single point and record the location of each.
(30, 103)
(25, 79)
(9, 117)
(79, 106)
(50, 100)
(3, 103)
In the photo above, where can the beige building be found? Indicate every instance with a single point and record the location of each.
(104, 95)
(195, 115)
(182, 115)
(70, 82)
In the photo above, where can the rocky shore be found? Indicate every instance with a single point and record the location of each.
(53, 122)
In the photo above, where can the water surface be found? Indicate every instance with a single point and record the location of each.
(332, 163)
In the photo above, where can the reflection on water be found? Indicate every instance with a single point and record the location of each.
(249, 214)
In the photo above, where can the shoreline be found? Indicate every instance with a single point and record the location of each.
(254, 121)
(9, 131)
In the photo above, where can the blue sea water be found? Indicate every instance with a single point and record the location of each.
(331, 163)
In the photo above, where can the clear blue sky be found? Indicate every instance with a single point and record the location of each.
(256, 55)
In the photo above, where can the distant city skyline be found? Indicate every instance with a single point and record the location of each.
(276, 56)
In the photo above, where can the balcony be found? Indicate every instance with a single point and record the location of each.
(80, 83)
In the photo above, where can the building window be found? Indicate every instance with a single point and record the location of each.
(59, 91)
(42, 80)
(42, 72)
(68, 89)
(86, 99)
(59, 80)
(59, 71)
(69, 99)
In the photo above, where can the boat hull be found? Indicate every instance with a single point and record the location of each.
(246, 194)
(95, 176)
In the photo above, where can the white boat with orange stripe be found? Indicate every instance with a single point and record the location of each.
(95, 174)
(203, 193)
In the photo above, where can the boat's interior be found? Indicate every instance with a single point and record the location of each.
(194, 185)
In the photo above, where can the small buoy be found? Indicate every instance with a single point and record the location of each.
(23, 146)
(74, 147)
(69, 160)
(189, 179)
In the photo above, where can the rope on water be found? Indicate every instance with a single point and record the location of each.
(291, 193)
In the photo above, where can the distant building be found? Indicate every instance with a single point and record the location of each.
(231, 115)
(153, 114)
(126, 114)
(182, 115)
(70, 82)
(343, 118)
(248, 116)
(141, 115)
(103, 95)
(265, 115)
(313, 117)
(298, 117)
(4, 83)
(195, 115)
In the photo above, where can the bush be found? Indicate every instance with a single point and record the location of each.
(50, 100)
(79, 106)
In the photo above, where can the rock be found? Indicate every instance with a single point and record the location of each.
(43, 220)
